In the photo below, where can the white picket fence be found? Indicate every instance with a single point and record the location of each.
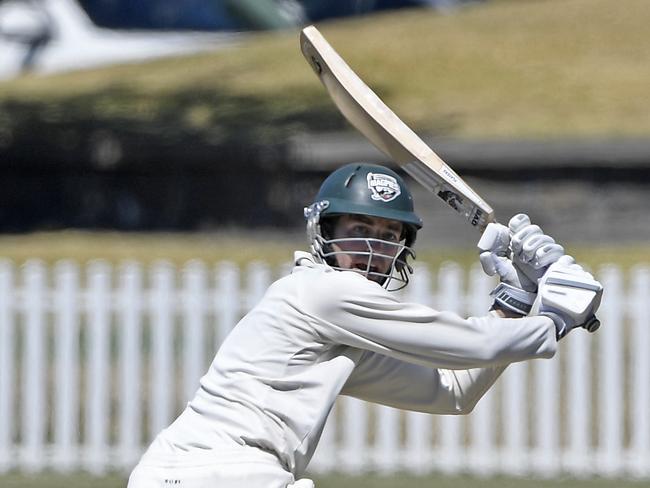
(95, 360)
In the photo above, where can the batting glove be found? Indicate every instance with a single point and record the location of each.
(519, 254)
(570, 296)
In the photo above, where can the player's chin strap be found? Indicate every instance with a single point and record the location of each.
(312, 214)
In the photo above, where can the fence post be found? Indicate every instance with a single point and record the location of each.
(514, 419)
(66, 340)
(387, 433)
(610, 394)
(7, 365)
(450, 458)
(578, 411)
(130, 327)
(545, 460)
(194, 304)
(353, 450)
(418, 451)
(639, 309)
(482, 450)
(226, 300)
(258, 280)
(34, 399)
(98, 385)
(162, 311)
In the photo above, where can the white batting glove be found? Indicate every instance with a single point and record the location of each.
(570, 296)
(519, 254)
(532, 250)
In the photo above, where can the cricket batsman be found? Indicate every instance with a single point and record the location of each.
(332, 327)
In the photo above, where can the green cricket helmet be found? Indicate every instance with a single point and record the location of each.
(363, 189)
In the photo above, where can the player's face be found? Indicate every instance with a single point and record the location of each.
(366, 233)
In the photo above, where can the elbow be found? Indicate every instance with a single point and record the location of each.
(462, 406)
(459, 407)
(466, 405)
(549, 352)
(461, 398)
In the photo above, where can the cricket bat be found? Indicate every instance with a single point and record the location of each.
(365, 111)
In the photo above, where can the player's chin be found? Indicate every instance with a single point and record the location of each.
(373, 273)
(377, 278)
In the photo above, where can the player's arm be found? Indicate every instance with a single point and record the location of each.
(348, 309)
(388, 381)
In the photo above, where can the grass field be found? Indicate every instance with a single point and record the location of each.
(505, 69)
(273, 247)
(369, 481)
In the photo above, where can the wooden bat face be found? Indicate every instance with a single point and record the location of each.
(365, 111)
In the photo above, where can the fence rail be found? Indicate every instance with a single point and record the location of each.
(96, 359)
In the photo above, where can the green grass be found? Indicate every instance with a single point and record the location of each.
(177, 248)
(273, 247)
(503, 69)
(466, 482)
(369, 481)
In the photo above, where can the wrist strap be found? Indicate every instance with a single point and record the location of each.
(513, 298)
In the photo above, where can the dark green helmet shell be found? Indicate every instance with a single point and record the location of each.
(369, 189)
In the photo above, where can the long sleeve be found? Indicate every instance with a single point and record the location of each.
(348, 309)
(381, 379)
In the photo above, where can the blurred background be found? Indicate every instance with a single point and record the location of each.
(194, 132)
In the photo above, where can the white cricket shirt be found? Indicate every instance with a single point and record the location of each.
(318, 333)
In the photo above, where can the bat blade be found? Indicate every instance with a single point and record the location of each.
(368, 113)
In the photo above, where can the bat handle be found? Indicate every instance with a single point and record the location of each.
(592, 324)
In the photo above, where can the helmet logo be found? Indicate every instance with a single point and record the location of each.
(383, 187)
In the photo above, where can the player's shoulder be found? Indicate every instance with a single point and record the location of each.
(308, 270)
(328, 296)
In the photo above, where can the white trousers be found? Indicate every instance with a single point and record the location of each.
(238, 468)
(233, 475)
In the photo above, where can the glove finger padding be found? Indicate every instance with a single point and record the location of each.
(499, 265)
(495, 238)
(524, 234)
(535, 248)
(493, 244)
(547, 255)
(495, 259)
(570, 296)
(533, 251)
(518, 222)
(531, 247)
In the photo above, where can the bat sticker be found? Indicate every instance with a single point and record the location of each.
(454, 200)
